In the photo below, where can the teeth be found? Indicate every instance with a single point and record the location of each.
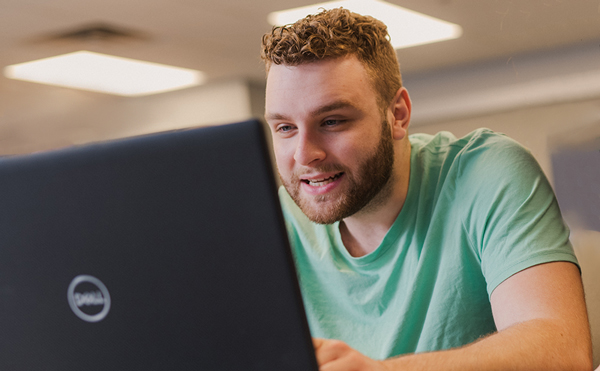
(322, 182)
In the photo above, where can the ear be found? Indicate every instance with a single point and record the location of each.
(400, 108)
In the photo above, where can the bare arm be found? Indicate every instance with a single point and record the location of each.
(542, 324)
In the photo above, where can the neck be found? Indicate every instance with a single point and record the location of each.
(363, 232)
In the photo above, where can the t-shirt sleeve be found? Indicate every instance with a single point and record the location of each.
(512, 215)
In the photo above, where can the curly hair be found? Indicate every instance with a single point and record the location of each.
(337, 33)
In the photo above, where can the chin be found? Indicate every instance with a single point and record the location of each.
(321, 211)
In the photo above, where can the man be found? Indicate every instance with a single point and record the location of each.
(428, 252)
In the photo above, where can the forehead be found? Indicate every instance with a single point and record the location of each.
(314, 84)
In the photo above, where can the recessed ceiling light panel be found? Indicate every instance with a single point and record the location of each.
(105, 73)
(406, 27)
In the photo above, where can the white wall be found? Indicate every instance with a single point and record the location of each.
(57, 117)
(539, 128)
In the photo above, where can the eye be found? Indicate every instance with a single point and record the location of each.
(330, 123)
(284, 129)
(333, 123)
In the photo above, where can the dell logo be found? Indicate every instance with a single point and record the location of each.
(88, 298)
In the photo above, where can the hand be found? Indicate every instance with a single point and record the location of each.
(334, 355)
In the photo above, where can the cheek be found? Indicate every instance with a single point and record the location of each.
(284, 158)
(353, 149)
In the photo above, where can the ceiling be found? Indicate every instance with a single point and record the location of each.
(222, 38)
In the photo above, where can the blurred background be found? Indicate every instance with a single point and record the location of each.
(527, 68)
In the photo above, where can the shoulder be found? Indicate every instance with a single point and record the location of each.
(484, 144)
(480, 153)
(480, 156)
(481, 142)
(495, 160)
(475, 142)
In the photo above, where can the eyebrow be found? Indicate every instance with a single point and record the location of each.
(333, 106)
(275, 116)
(319, 111)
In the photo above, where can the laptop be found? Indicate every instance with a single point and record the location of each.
(161, 252)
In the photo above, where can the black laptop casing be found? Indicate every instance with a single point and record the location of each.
(181, 231)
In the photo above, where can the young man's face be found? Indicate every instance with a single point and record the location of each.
(333, 147)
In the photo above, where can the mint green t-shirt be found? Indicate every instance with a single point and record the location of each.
(478, 210)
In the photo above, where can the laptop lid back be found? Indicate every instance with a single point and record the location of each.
(165, 251)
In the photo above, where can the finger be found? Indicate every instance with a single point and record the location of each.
(329, 350)
(317, 342)
(352, 361)
(339, 364)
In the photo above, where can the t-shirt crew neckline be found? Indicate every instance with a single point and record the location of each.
(392, 235)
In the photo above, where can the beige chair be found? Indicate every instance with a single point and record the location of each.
(587, 248)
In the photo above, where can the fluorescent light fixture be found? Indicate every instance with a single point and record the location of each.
(105, 73)
(406, 27)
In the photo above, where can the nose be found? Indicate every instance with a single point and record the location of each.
(309, 150)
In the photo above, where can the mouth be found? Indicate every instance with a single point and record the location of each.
(323, 181)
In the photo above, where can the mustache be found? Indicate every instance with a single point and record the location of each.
(320, 169)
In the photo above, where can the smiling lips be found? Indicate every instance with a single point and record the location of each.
(321, 182)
